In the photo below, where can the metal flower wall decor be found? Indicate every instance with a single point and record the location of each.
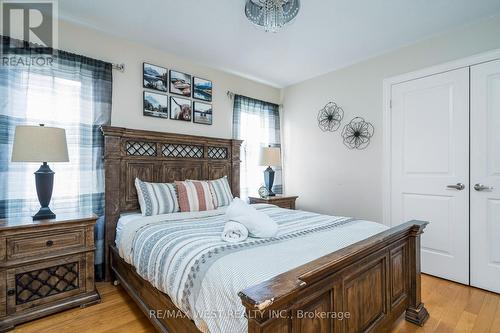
(329, 117)
(357, 133)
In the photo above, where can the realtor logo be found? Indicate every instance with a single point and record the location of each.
(33, 21)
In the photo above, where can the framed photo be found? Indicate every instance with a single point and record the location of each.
(155, 105)
(180, 83)
(180, 109)
(202, 113)
(154, 77)
(202, 89)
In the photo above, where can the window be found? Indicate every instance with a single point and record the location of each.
(74, 94)
(257, 123)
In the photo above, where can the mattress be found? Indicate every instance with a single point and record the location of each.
(123, 220)
(182, 255)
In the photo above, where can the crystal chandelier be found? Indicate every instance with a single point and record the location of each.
(271, 14)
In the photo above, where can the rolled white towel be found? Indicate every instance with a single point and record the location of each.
(234, 232)
(258, 224)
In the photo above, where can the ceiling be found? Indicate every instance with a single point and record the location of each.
(326, 35)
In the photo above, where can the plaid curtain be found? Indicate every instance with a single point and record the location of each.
(73, 93)
(258, 124)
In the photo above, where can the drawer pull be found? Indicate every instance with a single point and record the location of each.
(11, 292)
(49, 243)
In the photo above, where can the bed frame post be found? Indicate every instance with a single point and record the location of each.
(416, 312)
(235, 167)
(112, 161)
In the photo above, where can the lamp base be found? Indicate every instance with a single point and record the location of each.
(44, 214)
(44, 181)
(269, 181)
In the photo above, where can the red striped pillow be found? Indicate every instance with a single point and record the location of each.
(194, 196)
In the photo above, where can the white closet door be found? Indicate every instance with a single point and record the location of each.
(430, 156)
(485, 176)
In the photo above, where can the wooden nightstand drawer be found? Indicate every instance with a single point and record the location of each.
(34, 244)
(286, 205)
(287, 202)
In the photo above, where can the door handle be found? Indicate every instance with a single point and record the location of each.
(481, 187)
(457, 186)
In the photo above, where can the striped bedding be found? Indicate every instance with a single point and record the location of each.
(182, 255)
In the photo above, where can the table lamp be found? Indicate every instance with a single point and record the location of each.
(41, 144)
(270, 156)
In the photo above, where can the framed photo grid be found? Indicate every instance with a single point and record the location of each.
(176, 95)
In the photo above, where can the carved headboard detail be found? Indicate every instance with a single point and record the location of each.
(159, 157)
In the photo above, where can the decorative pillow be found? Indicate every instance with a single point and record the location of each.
(156, 198)
(194, 196)
(221, 192)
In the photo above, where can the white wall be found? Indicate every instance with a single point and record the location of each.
(326, 175)
(127, 86)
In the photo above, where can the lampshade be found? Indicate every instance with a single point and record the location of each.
(39, 144)
(270, 156)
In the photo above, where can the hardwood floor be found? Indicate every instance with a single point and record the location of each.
(453, 308)
(116, 313)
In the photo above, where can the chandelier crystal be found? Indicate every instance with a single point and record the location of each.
(271, 14)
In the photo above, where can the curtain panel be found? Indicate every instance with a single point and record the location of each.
(257, 123)
(73, 93)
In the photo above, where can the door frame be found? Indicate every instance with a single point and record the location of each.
(386, 119)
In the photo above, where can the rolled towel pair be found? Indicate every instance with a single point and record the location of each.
(258, 224)
(234, 232)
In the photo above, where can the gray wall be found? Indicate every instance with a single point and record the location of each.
(326, 175)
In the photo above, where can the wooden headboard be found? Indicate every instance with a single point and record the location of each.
(163, 158)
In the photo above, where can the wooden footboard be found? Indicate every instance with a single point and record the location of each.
(364, 287)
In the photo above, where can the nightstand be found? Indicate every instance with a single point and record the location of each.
(278, 200)
(46, 266)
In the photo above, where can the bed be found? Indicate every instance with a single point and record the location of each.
(325, 274)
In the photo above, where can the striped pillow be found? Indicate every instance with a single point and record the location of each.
(221, 191)
(156, 198)
(194, 196)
